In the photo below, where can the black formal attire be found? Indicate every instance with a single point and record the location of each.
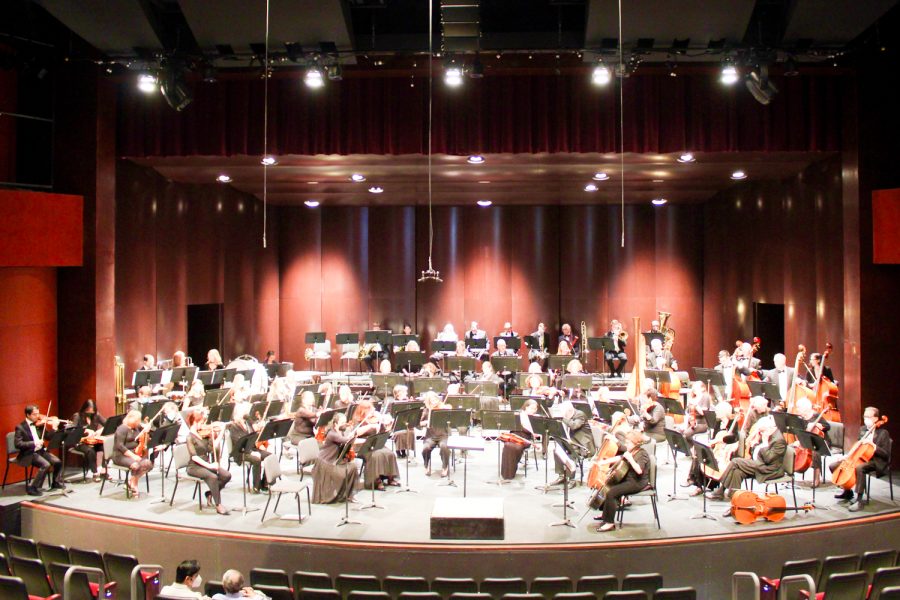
(616, 354)
(879, 464)
(826, 372)
(767, 463)
(655, 422)
(572, 341)
(31, 449)
(580, 433)
(511, 455)
(667, 360)
(334, 481)
(255, 457)
(126, 438)
(304, 425)
(379, 464)
(783, 378)
(93, 422)
(215, 479)
(632, 483)
(697, 476)
(374, 357)
(435, 437)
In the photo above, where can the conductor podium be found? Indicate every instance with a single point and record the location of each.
(467, 519)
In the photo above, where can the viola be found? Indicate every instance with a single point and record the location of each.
(512, 438)
(748, 507)
(861, 452)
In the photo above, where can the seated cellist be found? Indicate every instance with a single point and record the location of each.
(636, 479)
(879, 464)
(804, 409)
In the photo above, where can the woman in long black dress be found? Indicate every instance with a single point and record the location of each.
(92, 448)
(202, 443)
(512, 451)
(335, 480)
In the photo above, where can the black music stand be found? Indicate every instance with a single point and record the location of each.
(483, 388)
(381, 337)
(162, 438)
(658, 376)
(501, 420)
(516, 401)
(678, 443)
(206, 378)
(400, 340)
(814, 443)
(149, 377)
(607, 344)
(673, 407)
(596, 345)
(112, 423)
(221, 412)
(707, 458)
(314, 337)
(272, 370)
(429, 384)
(605, 410)
(346, 338)
(345, 520)
(711, 377)
(151, 409)
(767, 390)
(478, 344)
(227, 375)
(183, 376)
(513, 343)
(214, 397)
(372, 444)
(443, 347)
(411, 361)
(556, 361)
(71, 438)
(449, 420)
(407, 419)
(566, 451)
(325, 417)
(386, 382)
(506, 363)
(459, 363)
(246, 444)
(463, 402)
(579, 383)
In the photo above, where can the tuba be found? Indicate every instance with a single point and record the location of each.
(667, 331)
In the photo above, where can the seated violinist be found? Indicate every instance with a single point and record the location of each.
(576, 423)
(759, 408)
(512, 451)
(434, 436)
(29, 441)
(879, 464)
(304, 419)
(653, 416)
(335, 478)
(206, 464)
(804, 409)
(636, 479)
(502, 350)
(381, 465)
(195, 395)
(404, 440)
(698, 401)
(126, 442)
(767, 460)
(725, 433)
(237, 429)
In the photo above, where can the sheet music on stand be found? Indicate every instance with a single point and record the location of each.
(513, 343)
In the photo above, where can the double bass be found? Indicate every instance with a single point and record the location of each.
(861, 452)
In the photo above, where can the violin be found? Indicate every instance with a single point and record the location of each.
(861, 452)
(748, 507)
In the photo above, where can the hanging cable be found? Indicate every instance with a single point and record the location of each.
(266, 130)
(621, 126)
(430, 274)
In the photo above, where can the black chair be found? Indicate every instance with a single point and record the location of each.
(419, 596)
(211, 588)
(4, 565)
(883, 578)
(846, 586)
(20, 547)
(119, 568)
(598, 585)
(12, 454)
(356, 583)
(877, 559)
(498, 587)
(809, 566)
(578, 595)
(318, 594)
(891, 593)
(844, 563)
(49, 553)
(311, 579)
(890, 477)
(275, 577)
(648, 582)
(680, 593)
(87, 558)
(33, 573)
(276, 592)
(447, 586)
(13, 588)
(627, 595)
(550, 586)
(368, 595)
(396, 585)
(648, 492)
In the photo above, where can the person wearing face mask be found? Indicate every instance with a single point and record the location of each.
(188, 582)
(879, 464)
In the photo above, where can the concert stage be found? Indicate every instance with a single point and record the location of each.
(395, 539)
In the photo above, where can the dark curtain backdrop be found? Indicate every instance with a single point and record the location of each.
(8, 95)
(521, 113)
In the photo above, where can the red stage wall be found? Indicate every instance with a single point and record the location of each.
(40, 229)
(178, 245)
(886, 227)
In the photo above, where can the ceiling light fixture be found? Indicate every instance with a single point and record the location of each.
(357, 178)
(312, 203)
(376, 189)
(601, 176)
(453, 76)
(268, 161)
(729, 74)
(760, 86)
(475, 159)
(484, 203)
(223, 178)
(686, 157)
(659, 201)
(601, 75)
(590, 187)
(147, 83)
(738, 175)
(313, 78)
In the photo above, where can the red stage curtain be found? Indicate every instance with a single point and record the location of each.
(517, 114)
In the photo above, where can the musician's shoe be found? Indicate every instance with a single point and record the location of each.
(728, 512)
(557, 481)
(58, 485)
(857, 506)
(33, 491)
(352, 500)
(696, 491)
(598, 518)
(606, 527)
(845, 495)
(626, 502)
(394, 482)
(718, 495)
(688, 483)
(428, 471)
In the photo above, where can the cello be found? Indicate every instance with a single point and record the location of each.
(826, 391)
(748, 507)
(863, 450)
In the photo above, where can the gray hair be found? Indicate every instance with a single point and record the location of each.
(232, 581)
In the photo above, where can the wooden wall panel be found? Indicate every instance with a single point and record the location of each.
(392, 266)
(300, 277)
(25, 238)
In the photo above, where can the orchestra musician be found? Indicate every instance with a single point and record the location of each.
(818, 370)
(564, 349)
(407, 330)
(214, 360)
(502, 350)
(126, 441)
(195, 395)
(759, 408)
(727, 369)
(304, 419)
(345, 397)
(239, 427)
(619, 426)
(698, 401)
(767, 461)
(91, 445)
(476, 334)
(804, 409)
(569, 338)
(653, 416)
(240, 389)
(659, 358)
(30, 444)
(636, 479)
(743, 360)
(448, 334)
(576, 422)
(782, 375)
(725, 423)
(542, 340)
(617, 333)
(270, 359)
(335, 481)
(508, 331)
(435, 436)
(205, 462)
(148, 363)
(376, 352)
(179, 359)
(405, 440)
(879, 464)
(169, 415)
(512, 451)
(381, 465)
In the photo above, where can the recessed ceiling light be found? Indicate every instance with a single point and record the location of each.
(312, 183)
(223, 178)
(739, 174)
(376, 190)
(484, 181)
(475, 159)
(269, 161)
(658, 180)
(600, 176)
(687, 157)
(590, 187)
(358, 177)
(484, 203)
(659, 201)
(312, 203)
(729, 75)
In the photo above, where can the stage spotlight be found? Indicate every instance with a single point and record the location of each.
(175, 89)
(686, 157)
(313, 78)
(223, 178)
(147, 83)
(484, 203)
(357, 178)
(453, 76)
(659, 201)
(376, 189)
(729, 75)
(601, 176)
(760, 86)
(335, 73)
(601, 75)
(590, 187)
(311, 203)
(475, 159)
(268, 161)
(738, 175)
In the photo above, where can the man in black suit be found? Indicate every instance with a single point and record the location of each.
(30, 445)
(879, 464)
(781, 375)
(579, 432)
